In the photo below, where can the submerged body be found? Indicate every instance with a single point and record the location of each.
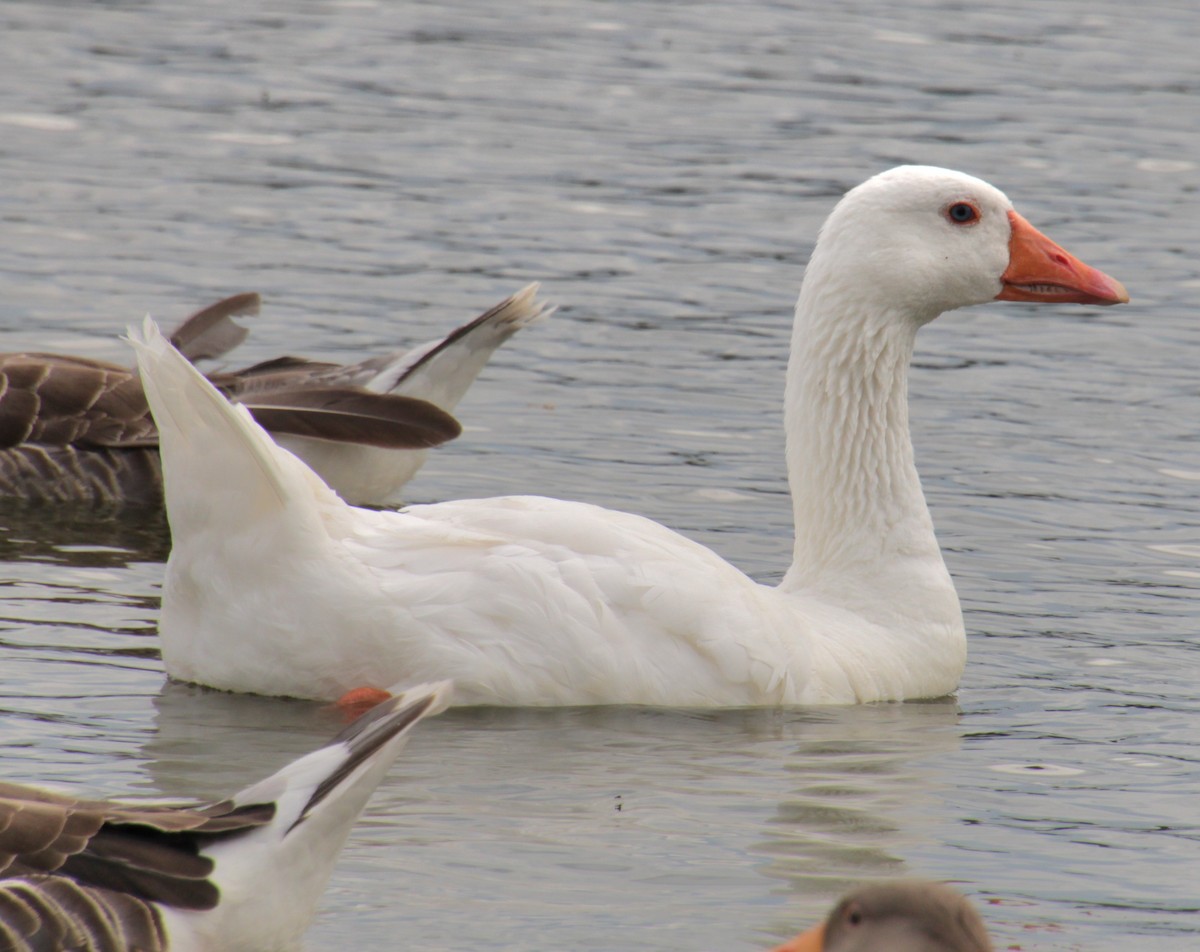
(73, 429)
(274, 586)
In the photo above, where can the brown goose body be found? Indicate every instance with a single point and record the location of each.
(74, 429)
(242, 873)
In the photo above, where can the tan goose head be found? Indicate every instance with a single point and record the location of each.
(908, 916)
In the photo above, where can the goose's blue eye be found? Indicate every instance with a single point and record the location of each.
(962, 213)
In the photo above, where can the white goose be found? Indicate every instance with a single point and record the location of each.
(275, 586)
(244, 873)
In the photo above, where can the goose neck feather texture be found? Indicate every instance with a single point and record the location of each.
(275, 586)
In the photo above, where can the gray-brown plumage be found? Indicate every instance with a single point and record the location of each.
(141, 850)
(104, 876)
(73, 429)
(898, 916)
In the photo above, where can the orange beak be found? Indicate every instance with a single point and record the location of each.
(1039, 270)
(811, 941)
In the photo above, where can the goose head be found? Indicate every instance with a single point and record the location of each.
(901, 916)
(923, 240)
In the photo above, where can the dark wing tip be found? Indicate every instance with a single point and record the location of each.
(354, 415)
(211, 332)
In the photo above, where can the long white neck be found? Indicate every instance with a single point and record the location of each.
(863, 531)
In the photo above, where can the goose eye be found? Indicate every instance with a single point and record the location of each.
(962, 213)
(854, 916)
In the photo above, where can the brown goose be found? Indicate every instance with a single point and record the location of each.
(244, 873)
(73, 429)
(902, 916)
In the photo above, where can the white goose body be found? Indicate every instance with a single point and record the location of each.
(275, 586)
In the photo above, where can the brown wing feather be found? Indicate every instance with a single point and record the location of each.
(150, 852)
(278, 373)
(80, 874)
(353, 415)
(58, 401)
(211, 332)
(38, 913)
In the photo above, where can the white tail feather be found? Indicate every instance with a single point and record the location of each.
(270, 880)
(441, 371)
(220, 468)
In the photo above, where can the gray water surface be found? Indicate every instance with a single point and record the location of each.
(381, 171)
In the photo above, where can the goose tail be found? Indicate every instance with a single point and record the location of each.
(442, 371)
(244, 873)
(221, 470)
(270, 880)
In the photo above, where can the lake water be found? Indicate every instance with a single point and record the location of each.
(381, 171)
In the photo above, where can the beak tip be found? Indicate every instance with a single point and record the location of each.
(1109, 291)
